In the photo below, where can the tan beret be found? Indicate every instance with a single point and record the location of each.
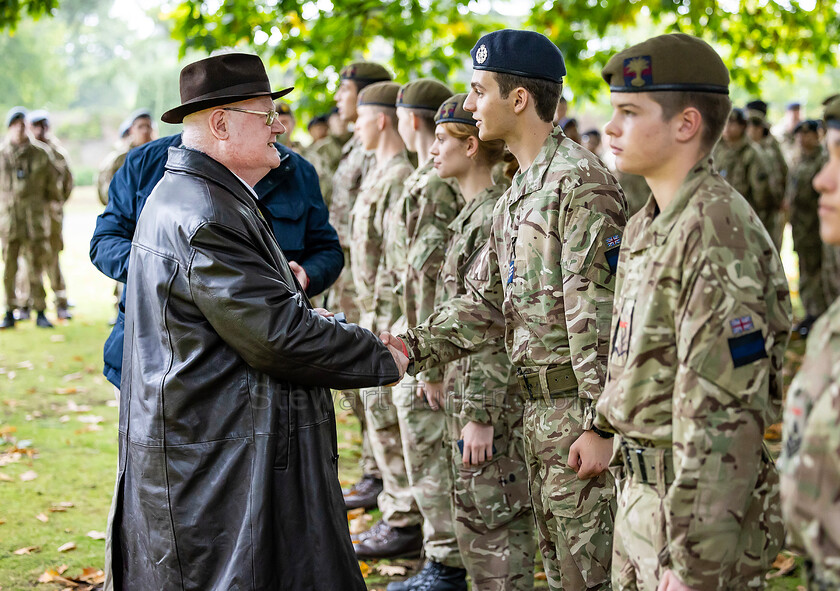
(380, 94)
(423, 94)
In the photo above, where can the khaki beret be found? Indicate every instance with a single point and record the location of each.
(452, 111)
(366, 72)
(673, 62)
(831, 115)
(380, 94)
(423, 94)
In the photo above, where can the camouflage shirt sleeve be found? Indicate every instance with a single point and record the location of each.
(763, 193)
(462, 325)
(721, 403)
(590, 231)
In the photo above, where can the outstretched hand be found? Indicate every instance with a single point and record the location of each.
(397, 349)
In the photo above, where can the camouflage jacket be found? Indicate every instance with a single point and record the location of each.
(778, 164)
(700, 325)
(108, 168)
(431, 205)
(810, 460)
(636, 190)
(545, 278)
(802, 198)
(382, 186)
(28, 185)
(746, 167)
(481, 380)
(324, 155)
(346, 183)
(62, 165)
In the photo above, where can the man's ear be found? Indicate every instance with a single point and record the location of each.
(689, 124)
(218, 124)
(521, 100)
(381, 121)
(414, 120)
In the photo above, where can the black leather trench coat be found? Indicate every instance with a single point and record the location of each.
(228, 458)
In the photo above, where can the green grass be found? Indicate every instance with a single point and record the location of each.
(73, 463)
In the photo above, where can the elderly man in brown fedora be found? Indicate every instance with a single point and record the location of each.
(227, 464)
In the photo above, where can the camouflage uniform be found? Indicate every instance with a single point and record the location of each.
(810, 460)
(346, 182)
(429, 204)
(324, 155)
(494, 523)
(108, 168)
(56, 214)
(544, 282)
(746, 167)
(636, 190)
(805, 227)
(701, 321)
(778, 182)
(28, 185)
(381, 186)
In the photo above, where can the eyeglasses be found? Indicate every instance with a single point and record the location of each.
(270, 116)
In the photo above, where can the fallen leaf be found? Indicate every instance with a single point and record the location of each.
(92, 419)
(27, 550)
(363, 566)
(70, 390)
(96, 535)
(26, 364)
(71, 377)
(88, 429)
(360, 524)
(773, 432)
(354, 513)
(7, 430)
(6, 478)
(29, 475)
(58, 338)
(2, 521)
(67, 547)
(42, 518)
(66, 504)
(785, 563)
(62, 569)
(391, 570)
(52, 576)
(540, 576)
(92, 575)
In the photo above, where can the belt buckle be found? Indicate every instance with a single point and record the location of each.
(527, 383)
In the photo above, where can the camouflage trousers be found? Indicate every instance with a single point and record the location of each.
(35, 254)
(494, 523)
(574, 517)
(810, 251)
(641, 553)
(52, 269)
(396, 501)
(429, 476)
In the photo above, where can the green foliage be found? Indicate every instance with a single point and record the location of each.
(755, 37)
(433, 38)
(11, 11)
(422, 38)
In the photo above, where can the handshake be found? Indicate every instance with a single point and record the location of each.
(398, 351)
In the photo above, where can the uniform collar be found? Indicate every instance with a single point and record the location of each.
(656, 228)
(490, 193)
(531, 180)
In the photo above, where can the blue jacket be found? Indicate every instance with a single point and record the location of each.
(291, 201)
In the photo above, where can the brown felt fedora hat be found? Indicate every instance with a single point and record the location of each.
(221, 80)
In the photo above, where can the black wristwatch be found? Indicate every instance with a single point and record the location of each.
(602, 434)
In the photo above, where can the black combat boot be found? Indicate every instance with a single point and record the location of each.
(385, 541)
(42, 322)
(8, 320)
(363, 494)
(22, 313)
(63, 313)
(434, 577)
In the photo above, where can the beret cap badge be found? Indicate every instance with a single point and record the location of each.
(638, 71)
(481, 54)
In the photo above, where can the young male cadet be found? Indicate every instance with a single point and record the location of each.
(700, 324)
(544, 283)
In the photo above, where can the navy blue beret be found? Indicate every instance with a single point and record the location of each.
(808, 125)
(521, 53)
